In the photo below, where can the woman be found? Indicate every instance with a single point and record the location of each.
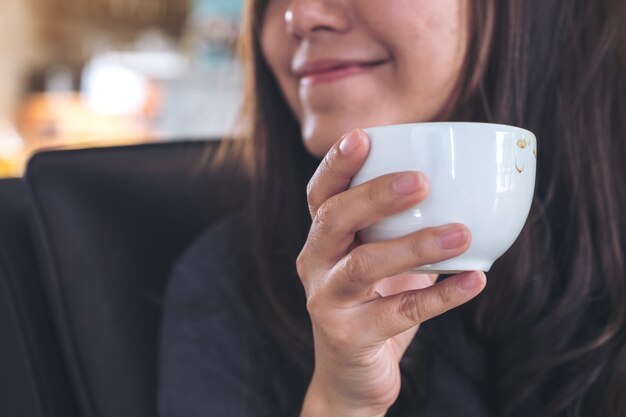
(279, 310)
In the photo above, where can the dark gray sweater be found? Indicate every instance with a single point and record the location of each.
(214, 363)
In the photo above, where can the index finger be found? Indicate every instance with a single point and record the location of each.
(336, 170)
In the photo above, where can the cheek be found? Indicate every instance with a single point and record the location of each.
(429, 53)
(427, 37)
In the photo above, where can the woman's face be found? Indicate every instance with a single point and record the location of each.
(343, 64)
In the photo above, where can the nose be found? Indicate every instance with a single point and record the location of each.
(305, 18)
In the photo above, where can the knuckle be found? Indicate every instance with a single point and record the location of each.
(375, 195)
(313, 306)
(419, 248)
(356, 267)
(443, 297)
(416, 307)
(411, 306)
(439, 301)
(303, 269)
(301, 264)
(324, 218)
(423, 246)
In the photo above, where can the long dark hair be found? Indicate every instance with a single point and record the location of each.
(552, 321)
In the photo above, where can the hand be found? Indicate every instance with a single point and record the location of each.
(364, 307)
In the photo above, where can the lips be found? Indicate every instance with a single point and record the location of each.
(325, 71)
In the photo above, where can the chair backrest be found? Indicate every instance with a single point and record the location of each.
(33, 377)
(110, 223)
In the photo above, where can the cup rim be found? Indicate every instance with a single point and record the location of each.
(426, 124)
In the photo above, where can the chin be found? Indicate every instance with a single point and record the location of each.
(318, 137)
(317, 146)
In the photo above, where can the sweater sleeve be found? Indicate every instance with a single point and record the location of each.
(211, 362)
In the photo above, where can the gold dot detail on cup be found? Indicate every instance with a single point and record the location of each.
(523, 144)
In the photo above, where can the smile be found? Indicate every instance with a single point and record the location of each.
(337, 73)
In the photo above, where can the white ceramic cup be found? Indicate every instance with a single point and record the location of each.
(479, 174)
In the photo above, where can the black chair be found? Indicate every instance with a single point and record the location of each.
(33, 377)
(110, 222)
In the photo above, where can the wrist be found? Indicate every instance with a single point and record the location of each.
(318, 404)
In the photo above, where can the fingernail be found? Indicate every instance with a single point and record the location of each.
(406, 184)
(350, 142)
(469, 282)
(452, 237)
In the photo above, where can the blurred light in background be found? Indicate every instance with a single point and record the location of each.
(11, 150)
(109, 72)
(114, 89)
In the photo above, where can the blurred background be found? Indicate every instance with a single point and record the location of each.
(84, 73)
